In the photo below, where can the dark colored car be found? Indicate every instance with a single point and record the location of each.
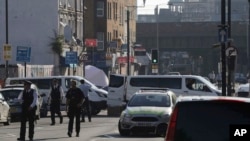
(207, 118)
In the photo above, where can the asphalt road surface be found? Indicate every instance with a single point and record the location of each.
(102, 128)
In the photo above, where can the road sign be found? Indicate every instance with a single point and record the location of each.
(231, 51)
(155, 68)
(71, 57)
(23, 54)
(7, 52)
(222, 35)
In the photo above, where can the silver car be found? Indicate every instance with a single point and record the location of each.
(148, 111)
(11, 93)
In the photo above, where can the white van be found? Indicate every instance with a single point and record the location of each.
(97, 96)
(121, 88)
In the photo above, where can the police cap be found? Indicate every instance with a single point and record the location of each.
(27, 82)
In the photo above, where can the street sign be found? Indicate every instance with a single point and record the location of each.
(231, 51)
(23, 54)
(7, 52)
(71, 57)
(222, 35)
(155, 68)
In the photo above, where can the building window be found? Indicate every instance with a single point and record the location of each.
(100, 41)
(100, 9)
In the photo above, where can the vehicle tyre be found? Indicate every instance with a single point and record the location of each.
(123, 132)
(8, 120)
(161, 130)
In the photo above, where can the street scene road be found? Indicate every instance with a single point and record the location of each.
(102, 128)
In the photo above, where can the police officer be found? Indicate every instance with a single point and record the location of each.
(55, 98)
(29, 100)
(85, 88)
(74, 103)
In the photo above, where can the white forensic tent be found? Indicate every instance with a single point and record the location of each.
(96, 76)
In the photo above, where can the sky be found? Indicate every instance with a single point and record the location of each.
(150, 6)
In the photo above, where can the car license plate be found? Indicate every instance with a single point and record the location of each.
(144, 124)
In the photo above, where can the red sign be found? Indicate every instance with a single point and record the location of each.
(91, 42)
(121, 60)
(139, 49)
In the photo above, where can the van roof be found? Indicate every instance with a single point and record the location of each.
(57, 76)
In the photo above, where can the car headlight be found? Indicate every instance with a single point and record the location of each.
(165, 117)
(126, 117)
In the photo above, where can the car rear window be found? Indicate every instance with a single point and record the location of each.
(11, 94)
(157, 100)
(210, 120)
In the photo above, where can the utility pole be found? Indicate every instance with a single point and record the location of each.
(128, 36)
(223, 46)
(248, 38)
(128, 43)
(7, 35)
(83, 35)
(229, 87)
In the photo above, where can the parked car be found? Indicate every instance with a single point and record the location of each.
(240, 78)
(11, 93)
(242, 90)
(147, 111)
(97, 96)
(4, 111)
(206, 118)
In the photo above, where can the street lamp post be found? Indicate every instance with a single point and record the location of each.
(128, 44)
(223, 46)
(128, 36)
(7, 36)
(248, 61)
(229, 87)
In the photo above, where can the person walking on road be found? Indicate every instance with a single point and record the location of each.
(75, 99)
(86, 105)
(29, 100)
(55, 99)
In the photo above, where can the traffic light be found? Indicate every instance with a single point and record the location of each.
(154, 56)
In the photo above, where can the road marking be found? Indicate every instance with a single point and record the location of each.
(7, 135)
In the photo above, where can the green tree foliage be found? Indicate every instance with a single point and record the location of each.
(57, 43)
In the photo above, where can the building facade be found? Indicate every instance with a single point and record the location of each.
(191, 26)
(35, 24)
(106, 21)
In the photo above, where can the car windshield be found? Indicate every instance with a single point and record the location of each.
(10, 94)
(212, 120)
(157, 100)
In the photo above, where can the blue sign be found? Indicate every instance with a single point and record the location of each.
(71, 57)
(222, 35)
(23, 54)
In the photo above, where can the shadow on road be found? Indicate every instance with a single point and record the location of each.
(139, 135)
(45, 139)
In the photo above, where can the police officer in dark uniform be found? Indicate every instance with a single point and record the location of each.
(29, 100)
(75, 99)
(55, 98)
(86, 105)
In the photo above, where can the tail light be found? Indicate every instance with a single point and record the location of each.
(172, 125)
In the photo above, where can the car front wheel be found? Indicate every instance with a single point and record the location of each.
(123, 132)
(8, 120)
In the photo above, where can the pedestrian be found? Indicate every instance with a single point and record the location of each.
(189, 83)
(212, 76)
(75, 99)
(86, 105)
(55, 99)
(28, 98)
